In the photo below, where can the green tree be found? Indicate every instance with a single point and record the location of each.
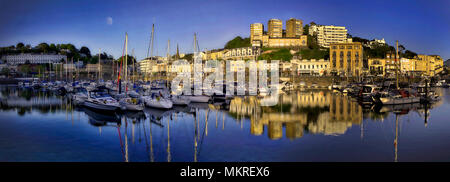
(5, 71)
(20, 45)
(409, 54)
(306, 29)
(53, 48)
(282, 54)
(238, 42)
(43, 47)
(86, 51)
(314, 54)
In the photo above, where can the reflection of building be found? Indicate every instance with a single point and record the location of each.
(346, 58)
(316, 112)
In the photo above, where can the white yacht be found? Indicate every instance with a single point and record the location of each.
(101, 101)
(80, 96)
(157, 101)
(180, 100)
(398, 98)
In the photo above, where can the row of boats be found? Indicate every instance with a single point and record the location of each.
(106, 96)
(369, 94)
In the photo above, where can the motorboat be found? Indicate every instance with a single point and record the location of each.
(398, 97)
(427, 94)
(157, 101)
(199, 98)
(101, 101)
(367, 93)
(99, 119)
(131, 103)
(180, 100)
(80, 96)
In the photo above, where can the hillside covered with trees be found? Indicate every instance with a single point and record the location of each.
(83, 53)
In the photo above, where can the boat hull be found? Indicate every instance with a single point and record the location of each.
(180, 100)
(160, 104)
(98, 106)
(393, 101)
(199, 98)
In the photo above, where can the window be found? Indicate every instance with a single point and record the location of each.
(334, 59)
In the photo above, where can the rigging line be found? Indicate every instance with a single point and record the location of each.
(149, 43)
(121, 59)
(203, 136)
(146, 142)
(121, 144)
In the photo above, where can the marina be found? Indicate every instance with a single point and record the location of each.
(44, 125)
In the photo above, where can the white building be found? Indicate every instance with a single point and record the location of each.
(312, 66)
(242, 53)
(181, 68)
(377, 42)
(34, 58)
(69, 67)
(157, 64)
(327, 34)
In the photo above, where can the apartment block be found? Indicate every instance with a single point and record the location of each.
(346, 58)
(329, 34)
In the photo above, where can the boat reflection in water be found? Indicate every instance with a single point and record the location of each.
(303, 126)
(101, 119)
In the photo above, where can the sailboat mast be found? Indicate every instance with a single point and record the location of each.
(153, 34)
(99, 55)
(119, 86)
(134, 60)
(168, 61)
(71, 70)
(195, 43)
(396, 62)
(126, 62)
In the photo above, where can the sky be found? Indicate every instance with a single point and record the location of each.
(420, 25)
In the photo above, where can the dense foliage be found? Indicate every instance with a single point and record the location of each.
(238, 42)
(282, 54)
(314, 54)
(82, 54)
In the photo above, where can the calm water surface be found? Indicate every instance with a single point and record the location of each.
(304, 126)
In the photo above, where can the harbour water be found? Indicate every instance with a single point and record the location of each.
(308, 125)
